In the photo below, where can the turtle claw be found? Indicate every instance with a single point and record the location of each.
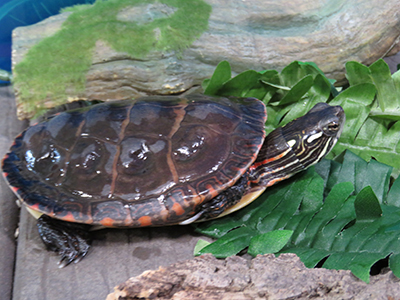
(75, 255)
(70, 240)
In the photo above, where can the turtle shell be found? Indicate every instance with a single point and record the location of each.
(133, 163)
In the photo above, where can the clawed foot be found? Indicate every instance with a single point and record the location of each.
(70, 240)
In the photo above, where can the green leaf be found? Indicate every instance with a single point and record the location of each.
(356, 102)
(269, 242)
(314, 68)
(388, 93)
(200, 245)
(222, 74)
(375, 131)
(271, 84)
(246, 84)
(394, 264)
(279, 206)
(298, 90)
(393, 197)
(292, 73)
(367, 205)
(318, 92)
(358, 263)
(360, 173)
(343, 210)
(334, 202)
(357, 73)
(230, 244)
(396, 77)
(388, 86)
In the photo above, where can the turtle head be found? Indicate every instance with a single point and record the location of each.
(297, 145)
(313, 135)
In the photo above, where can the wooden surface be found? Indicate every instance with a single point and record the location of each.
(116, 256)
(9, 128)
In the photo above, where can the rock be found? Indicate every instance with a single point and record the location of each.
(265, 277)
(252, 34)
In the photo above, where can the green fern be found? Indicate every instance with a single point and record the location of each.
(337, 211)
(340, 214)
(371, 103)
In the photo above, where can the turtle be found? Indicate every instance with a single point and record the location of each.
(156, 161)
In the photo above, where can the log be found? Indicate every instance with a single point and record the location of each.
(264, 277)
(252, 34)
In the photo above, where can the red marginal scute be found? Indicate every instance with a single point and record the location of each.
(212, 191)
(34, 206)
(145, 221)
(69, 217)
(178, 209)
(107, 222)
(15, 140)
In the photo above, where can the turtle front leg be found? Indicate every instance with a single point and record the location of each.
(70, 240)
(216, 206)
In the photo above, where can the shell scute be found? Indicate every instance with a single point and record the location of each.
(115, 210)
(152, 118)
(70, 209)
(63, 129)
(105, 124)
(140, 160)
(89, 167)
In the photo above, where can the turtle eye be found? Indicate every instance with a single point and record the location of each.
(332, 127)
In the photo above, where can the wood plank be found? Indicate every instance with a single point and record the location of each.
(9, 127)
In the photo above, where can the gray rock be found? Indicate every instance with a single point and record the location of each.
(265, 277)
(252, 34)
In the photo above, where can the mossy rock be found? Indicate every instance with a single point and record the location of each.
(121, 49)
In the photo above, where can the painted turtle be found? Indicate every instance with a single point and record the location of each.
(156, 161)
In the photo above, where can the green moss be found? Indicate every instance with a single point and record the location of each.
(59, 63)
